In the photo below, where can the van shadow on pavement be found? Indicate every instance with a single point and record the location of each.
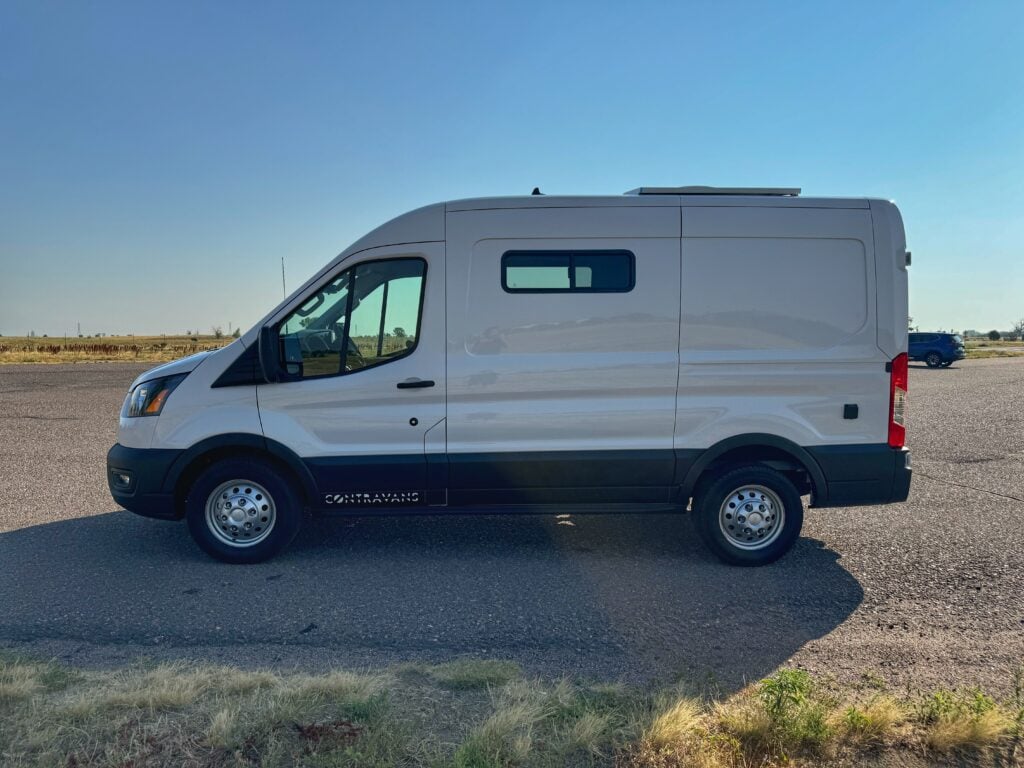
(602, 597)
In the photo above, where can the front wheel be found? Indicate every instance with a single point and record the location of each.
(748, 515)
(933, 359)
(243, 511)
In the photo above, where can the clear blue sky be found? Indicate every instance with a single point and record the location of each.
(158, 159)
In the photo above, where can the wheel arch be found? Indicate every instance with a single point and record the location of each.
(195, 459)
(757, 448)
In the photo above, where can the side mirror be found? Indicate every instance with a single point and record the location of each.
(269, 349)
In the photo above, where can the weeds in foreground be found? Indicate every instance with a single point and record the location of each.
(786, 719)
(476, 714)
(962, 720)
(873, 722)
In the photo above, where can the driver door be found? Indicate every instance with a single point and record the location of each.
(364, 350)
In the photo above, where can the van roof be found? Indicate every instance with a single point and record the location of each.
(762, 197)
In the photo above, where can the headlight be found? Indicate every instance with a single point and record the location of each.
(148, 398)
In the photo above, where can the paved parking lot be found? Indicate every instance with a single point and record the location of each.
(926, 592)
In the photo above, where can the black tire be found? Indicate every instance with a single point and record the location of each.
(283, 505)
(933, 359)
(713, 497)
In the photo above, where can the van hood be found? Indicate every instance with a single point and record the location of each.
(182, 365)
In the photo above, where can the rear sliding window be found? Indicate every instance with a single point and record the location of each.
(568, 271)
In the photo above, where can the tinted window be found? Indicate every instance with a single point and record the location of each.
(567, 271)
(366, 316)
(536, 272)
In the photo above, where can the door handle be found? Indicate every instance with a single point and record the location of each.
(415, 384)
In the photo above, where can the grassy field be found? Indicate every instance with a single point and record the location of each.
(479, 714)
(60, 349)
(981, 348)
(22, 349)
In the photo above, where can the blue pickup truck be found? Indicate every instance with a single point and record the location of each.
(936, 349)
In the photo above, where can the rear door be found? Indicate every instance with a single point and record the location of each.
(779, 328)
(367, 351)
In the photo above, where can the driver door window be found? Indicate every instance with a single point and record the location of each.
(367, 316)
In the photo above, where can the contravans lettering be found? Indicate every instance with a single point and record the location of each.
(372, 498)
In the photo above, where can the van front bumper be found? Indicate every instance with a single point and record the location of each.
(136, 477)
(860, 475)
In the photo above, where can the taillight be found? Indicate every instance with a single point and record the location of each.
(898, 401)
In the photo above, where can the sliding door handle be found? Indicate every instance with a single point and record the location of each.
(415, 384)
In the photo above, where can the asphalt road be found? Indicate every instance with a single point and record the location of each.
(923, 593)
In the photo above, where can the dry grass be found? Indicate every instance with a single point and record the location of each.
(955, 721)
(225, 729)
(21, 679)
(155, 349)
(467, 674)
(679, 723)
(872, 723)
(170, 686)
(977, 349)
(18, 683)
(60, 349)
(787, 720)
(474, 714)
(588, 733)
(684, 734)
(505, 737)
(743, 718)
(968, 733)
(336, 685)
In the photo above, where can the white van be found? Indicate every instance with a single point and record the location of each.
(725, 351)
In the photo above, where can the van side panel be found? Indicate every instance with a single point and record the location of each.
(556, 391)
(891, 271)
(779, 327)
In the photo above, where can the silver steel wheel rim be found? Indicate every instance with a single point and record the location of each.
(752, 517)
(240, 513)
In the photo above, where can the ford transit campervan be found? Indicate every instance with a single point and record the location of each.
(722, 352)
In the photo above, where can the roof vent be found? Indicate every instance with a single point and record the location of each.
(761, 191)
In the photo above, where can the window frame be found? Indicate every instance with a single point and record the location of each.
(353, 282)
(571, 253)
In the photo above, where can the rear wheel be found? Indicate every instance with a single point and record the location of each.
(933, 359)
(243, 511)
(749, 515)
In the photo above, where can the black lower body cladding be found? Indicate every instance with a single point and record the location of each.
(860, 475)
(136, 480)
(143, 480)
